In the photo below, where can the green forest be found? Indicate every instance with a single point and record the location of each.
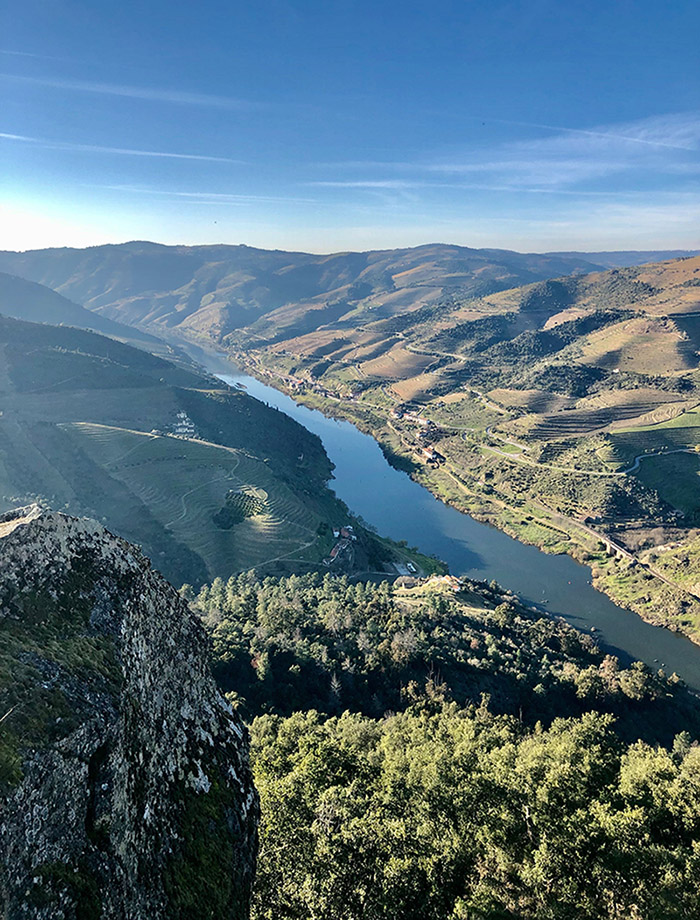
(421, 753)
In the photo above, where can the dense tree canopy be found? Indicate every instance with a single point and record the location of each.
(427, 755)
(325, 643)
(460, 814)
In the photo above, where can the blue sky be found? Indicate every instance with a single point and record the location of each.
(323, 126)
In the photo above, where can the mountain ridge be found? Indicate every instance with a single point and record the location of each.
(213, 290)
(34, 302)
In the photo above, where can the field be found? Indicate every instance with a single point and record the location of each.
(185, 484)
(397, 364)
(676, 477)
(415, 387)
(529, 400)
(675, 434)
(649, 345)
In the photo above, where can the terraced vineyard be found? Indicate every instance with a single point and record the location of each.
(239, 505)
(185, 483)
(678, 433)
(585, 421)
(676, 477)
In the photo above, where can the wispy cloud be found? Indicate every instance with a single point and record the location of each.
(670, 132)
(29, 54)
(654, 148)
(119, 151)
(150, 94)
(406, 185)
(204, 197)
(397, 184)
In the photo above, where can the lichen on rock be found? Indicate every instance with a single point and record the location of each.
(125, 790)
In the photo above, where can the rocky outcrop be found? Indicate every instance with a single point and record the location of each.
(125, 790)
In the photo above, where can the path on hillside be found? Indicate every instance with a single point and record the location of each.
(658, 453)
(202, 485)
(519, 458)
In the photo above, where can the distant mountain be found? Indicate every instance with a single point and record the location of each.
(626, 258)
(642, 320)
(36, 303)
(217, 289)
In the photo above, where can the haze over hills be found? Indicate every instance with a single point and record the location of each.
(627, 257)
(217, 289)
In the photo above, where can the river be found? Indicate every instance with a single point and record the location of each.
(400, 508)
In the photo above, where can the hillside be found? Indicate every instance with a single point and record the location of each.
(544, 398)
(560, 409)
(206, 479)
(36, 303)
(306, 642)
(628, 257)
(215, 289)
(125, 788)
(563, 411)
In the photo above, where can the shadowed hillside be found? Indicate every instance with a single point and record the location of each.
(155, 451)
(36, 303)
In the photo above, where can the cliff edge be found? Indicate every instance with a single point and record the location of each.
(125, 791)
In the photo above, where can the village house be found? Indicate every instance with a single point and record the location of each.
(184, 426)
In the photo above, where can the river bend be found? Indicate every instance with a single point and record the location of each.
(400, 508)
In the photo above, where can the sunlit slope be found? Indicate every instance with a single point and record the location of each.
(564, 411)
(563, 353)
(214, 290)
(90, 424)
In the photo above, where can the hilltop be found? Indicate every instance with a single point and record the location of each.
(308, 642)
(453, 755)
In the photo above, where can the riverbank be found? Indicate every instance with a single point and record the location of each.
(627, 578)
(397, 506)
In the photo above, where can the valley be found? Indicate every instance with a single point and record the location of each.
(561, 410)
(352, 684)
(568, 419)
(350, 461)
